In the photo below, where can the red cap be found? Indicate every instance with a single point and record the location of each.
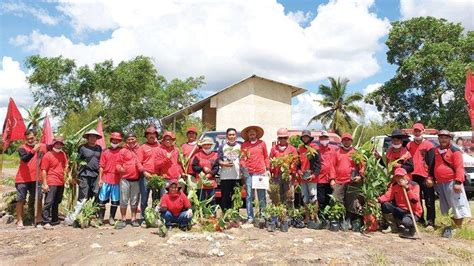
(346, 136)
(400, 172)
(192, 129)
(59, 139)
(282, 133)
(419, 126)
(169, 134)
(116, 135)
(151, 130)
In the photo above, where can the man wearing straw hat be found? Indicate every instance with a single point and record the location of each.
(254, 165)
(89, 153)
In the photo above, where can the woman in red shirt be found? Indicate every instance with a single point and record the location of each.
(205, 163)
(175, 207)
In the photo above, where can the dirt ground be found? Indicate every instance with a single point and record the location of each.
(248, 245)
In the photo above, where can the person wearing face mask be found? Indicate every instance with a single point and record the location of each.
(205, 163)
(127, 166)
(348, 179)
(418, 148)
(398, 153)
(327, 173)
(53, 168)
(446, 166)
(281, 149)
(175, 207)
(25, 181)
(229, 167)
(254, 164)
(146, 165)
(167, 160)
(109, 178)
(190, 148)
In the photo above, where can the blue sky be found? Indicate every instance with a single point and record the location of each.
(300, 42)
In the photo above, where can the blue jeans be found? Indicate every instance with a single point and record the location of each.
(261, 194)
(145, 194)
(170, 219)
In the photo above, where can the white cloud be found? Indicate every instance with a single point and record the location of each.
(13, 84)
(300, 17)
(306, 107)
(20, 9)
(460, 11)
(224, 40)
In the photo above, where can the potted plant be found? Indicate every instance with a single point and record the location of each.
(296, 216)
(271, 218)
(87, 213)
(282, 215)
(313, 222)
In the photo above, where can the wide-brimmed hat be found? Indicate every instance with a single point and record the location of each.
(205, 141)
(116, 135)
(306, 133)
(168, 134)
(324, 133)
(397, 133)
(445, 132)
(245, 132)
(59, 139)
(346, 136)
(92, 132)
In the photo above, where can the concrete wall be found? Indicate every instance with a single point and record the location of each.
(254, 102)
(209, 116)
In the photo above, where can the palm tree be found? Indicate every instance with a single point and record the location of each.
(339, 104)
(35, 116)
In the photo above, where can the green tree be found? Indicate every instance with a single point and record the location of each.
(130, 95)
(431, 55)
(34, 118)
(340, 105)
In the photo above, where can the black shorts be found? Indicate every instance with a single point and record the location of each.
(22, 189)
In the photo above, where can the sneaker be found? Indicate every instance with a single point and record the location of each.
(448, 232)
(135, 223)
(120, 225)
(48, 227)
(430, 228)
(250, 221)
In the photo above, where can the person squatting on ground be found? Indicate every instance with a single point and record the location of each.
(147, 154)
(30, 154)
(327, 173)
(348, 181)
(285, 187)
(395, 208)
(129, 186)
(229, 171)
(109, 178)
(309, 168)
(205, 163)
(254, 164)
(418, 149)
(446, 166)
(175, 207)
(53, 167)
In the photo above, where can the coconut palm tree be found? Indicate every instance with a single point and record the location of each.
(35, 116)
(340, 105)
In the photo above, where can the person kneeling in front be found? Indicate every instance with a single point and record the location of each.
(175, 207)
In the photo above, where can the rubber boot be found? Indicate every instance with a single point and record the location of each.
(392, 224)
(101, 214)
(113, 211)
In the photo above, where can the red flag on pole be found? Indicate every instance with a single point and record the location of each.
(14, 127)
(101, 141)
(469, 96)
(47, 137)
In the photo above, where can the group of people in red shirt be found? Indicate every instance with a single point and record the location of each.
(320, 168)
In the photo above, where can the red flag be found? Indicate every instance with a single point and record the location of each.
(469, 96)
(14, 127)
(101, 141)
(47, 137)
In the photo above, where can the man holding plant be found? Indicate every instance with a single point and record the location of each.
(191, 147)
(109, 178)
(167, 160)
(395, 208)
(283, 158)
(89, 156)
(398, 153)
(146, 165)
(447, 168)
(206, 165)
(327, 173)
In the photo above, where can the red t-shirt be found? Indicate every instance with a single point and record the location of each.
(170, 167)
(109, 160)
(305, 161)
(187, 149)
(129, 162)
(395, 192)
(27, 170)
(54, 163)
(147, 156)
(418, 152)
(328, 156)
(175, 203)
(443, 173)
(276, 152)
(344, 166)
(254, 157)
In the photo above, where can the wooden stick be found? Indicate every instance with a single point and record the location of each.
(39, 155)
(411, 212)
